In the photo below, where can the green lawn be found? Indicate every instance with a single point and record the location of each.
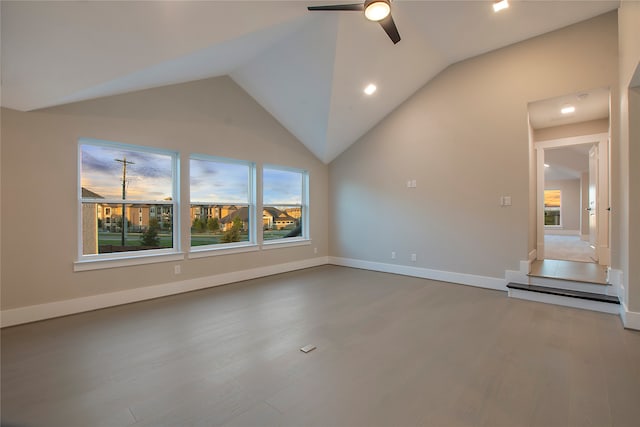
(197, 239)
(132, 239)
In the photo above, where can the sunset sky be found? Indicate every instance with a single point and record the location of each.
(551, 198)
(149, 178)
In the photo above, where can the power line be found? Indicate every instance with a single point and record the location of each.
(124, 162)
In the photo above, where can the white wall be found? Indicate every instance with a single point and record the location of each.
(625, 157)
(39, 179)
(464, 139)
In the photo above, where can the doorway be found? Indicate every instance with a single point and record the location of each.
(570, 141)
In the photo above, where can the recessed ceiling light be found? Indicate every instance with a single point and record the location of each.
(568, 109)
(376, 10)
(499, 5)
(369, 90)
(546, 165)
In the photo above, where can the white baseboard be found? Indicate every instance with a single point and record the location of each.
(630, 319)
(424, 273)
(50, 310)
(615, 280)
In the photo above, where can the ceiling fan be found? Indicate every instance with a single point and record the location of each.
(374, 10)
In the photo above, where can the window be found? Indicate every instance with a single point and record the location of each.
(552, 204)
(121, 183)
(222, 202)
(284, 199)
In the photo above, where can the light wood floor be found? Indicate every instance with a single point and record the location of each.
(392, 351)
(570, 270)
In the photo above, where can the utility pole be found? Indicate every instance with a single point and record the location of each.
(124, 162)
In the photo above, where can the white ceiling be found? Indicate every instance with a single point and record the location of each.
(308, 69)
(589, 105)
(566, 162)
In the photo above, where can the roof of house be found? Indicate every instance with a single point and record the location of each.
(278, 214)
(90, 194)
(243, 213)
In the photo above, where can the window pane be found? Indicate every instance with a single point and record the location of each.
(281, 187)
(552, 200)
(147, 227)
(220, 209)
(219, 182)
(213, 224)
(127, 197)
(281, 221)
(148, 176)
(283, 204)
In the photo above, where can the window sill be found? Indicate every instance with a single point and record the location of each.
(138, 259)
(203, 253)
(277, 244)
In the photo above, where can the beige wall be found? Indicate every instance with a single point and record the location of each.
(625, 158)
(569, 203)
(577, 129)
(39, 170)
(464, 139)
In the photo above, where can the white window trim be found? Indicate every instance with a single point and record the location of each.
(217, 250)
(120, 259)
(131, 258)
(283, 243)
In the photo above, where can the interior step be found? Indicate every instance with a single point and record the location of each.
(573, 285)
(565, 297)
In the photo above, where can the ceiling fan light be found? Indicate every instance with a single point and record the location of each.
(376, 10)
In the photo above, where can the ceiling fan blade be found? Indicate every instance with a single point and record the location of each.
(390, 28)
(358, 7)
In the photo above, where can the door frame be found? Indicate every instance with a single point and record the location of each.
(603, 249)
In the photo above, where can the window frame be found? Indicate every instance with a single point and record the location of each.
(304, 238)
(97, 261)
(233, 247)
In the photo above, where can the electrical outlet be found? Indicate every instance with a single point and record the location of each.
(177, 269)
(393, 255)
(315, 250)
(414, 257)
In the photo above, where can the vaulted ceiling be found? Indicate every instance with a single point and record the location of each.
(308, 69)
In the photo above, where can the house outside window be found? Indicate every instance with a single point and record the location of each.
(285, 202)
(222, 205)
(119, 184)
